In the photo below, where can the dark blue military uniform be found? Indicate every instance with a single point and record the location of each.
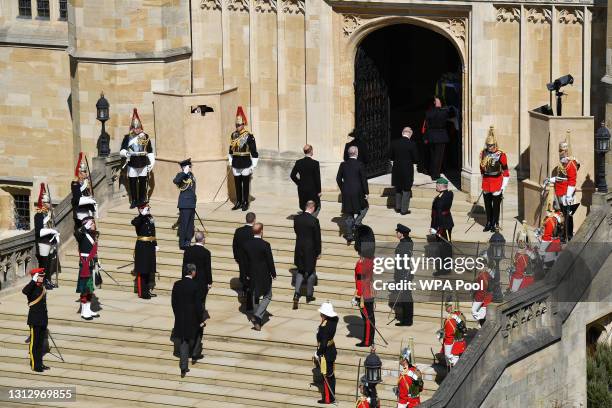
(186, 204)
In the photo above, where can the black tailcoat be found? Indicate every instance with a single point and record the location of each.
(200, 257)
(309, 181)
(187, 308)
(307, 242)
(241, 235)
(260, 264)
(353, 184)
(404, 155)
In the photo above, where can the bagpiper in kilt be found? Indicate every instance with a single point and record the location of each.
(87, 239)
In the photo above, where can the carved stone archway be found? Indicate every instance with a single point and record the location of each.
(356, 27)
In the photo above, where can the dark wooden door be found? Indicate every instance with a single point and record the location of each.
(372, 113)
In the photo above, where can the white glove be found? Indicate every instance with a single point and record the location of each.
(151, 158)
(433, 231)
(145, 211)
(35, 277)
(498, 192)
(156, 248)
(123, 153)
(569, 200)
(354, 302)
(229, 159)
(552, 180)
(570, 191)
(46, 219)
(505, 182)
(84, 185)
(366, 196)
(255, 160)
(187, 169)
(316, 355)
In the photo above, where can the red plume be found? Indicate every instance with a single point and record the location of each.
(136, 123)
(76, 170)
(240, 114)
(40, 194)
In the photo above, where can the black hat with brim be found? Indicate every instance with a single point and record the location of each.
(402, 229)
(186, 162)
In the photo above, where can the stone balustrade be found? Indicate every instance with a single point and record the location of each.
(18, 253)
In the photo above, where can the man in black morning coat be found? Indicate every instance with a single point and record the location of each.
(307, 251)
(199, 256)
(353, 184)
(306, 174)
(403, 155)
(186, 183)
(436, 135)
(242, 235)
(187, 308)
(260, 264)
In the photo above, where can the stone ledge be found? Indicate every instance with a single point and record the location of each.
(128, 57)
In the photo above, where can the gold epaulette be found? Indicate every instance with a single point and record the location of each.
(324, 323)
(43, 210)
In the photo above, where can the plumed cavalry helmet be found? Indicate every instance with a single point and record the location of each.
(564, 146)
(81, 165)
(405, 354)
(135, 123)
(241, 119)
(491, 139)
(43, 196)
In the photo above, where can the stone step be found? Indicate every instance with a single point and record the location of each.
(388, 201)
(163, 387)
(100, 397)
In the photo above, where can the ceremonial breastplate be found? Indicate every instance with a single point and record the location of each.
(491, 164)
(137, 144)
(239, 144)
(562, 171)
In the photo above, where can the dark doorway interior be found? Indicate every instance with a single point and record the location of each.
(398, 70)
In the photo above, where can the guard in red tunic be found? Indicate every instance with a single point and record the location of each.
(564, 178)
(409, 383)
(363, 401)
(364, 290)
(495, 178)
(550, 242)
(453, 335)
(523, 270)
(482, 297)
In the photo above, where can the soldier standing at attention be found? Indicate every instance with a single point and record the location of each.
(186, 183)
(495, 178)
(144, 252)
(442, 224)
(136, 148)
(326, 351)
(243, 159)
(37, 318)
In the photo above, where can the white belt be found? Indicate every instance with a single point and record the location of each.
(84, 255)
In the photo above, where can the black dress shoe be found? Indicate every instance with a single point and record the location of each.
(133, 204)
(486, 228)
(152, 295)
(403, 324)
(296, 300)
(322, 401)
(38, 370)
(245, 206)
(236, 206)
(405, 212)
(310, 299)
(183, 373)
(44, 367)
(196, 358)
(361, 344)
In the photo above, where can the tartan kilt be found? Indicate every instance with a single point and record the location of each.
(85, 285)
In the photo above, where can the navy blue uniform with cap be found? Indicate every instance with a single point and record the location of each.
(187, 201)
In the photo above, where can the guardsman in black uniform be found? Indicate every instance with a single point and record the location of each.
(47, 237)
(87, 239)
(186, 183)
(37, 318)
(403, 303)
(83, 202)
(243, 159)
(442, 223)
(436, 135)
(326, 351)
(145, 264)
(136, 148)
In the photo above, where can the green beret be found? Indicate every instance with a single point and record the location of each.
(441, 180)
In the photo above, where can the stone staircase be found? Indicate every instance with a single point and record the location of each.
(125, 359)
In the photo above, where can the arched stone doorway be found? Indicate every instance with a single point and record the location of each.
(397, 70)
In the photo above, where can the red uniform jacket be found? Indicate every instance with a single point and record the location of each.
(450, 326)
(521, 260)
(363, 278)
(493, 176)
(550, 226)
(362, 403)
(483, 295)
(566, 177)
(403, 386)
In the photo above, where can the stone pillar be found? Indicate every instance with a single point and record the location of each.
(207, 31)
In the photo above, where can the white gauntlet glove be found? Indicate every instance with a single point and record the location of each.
(433, 231)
